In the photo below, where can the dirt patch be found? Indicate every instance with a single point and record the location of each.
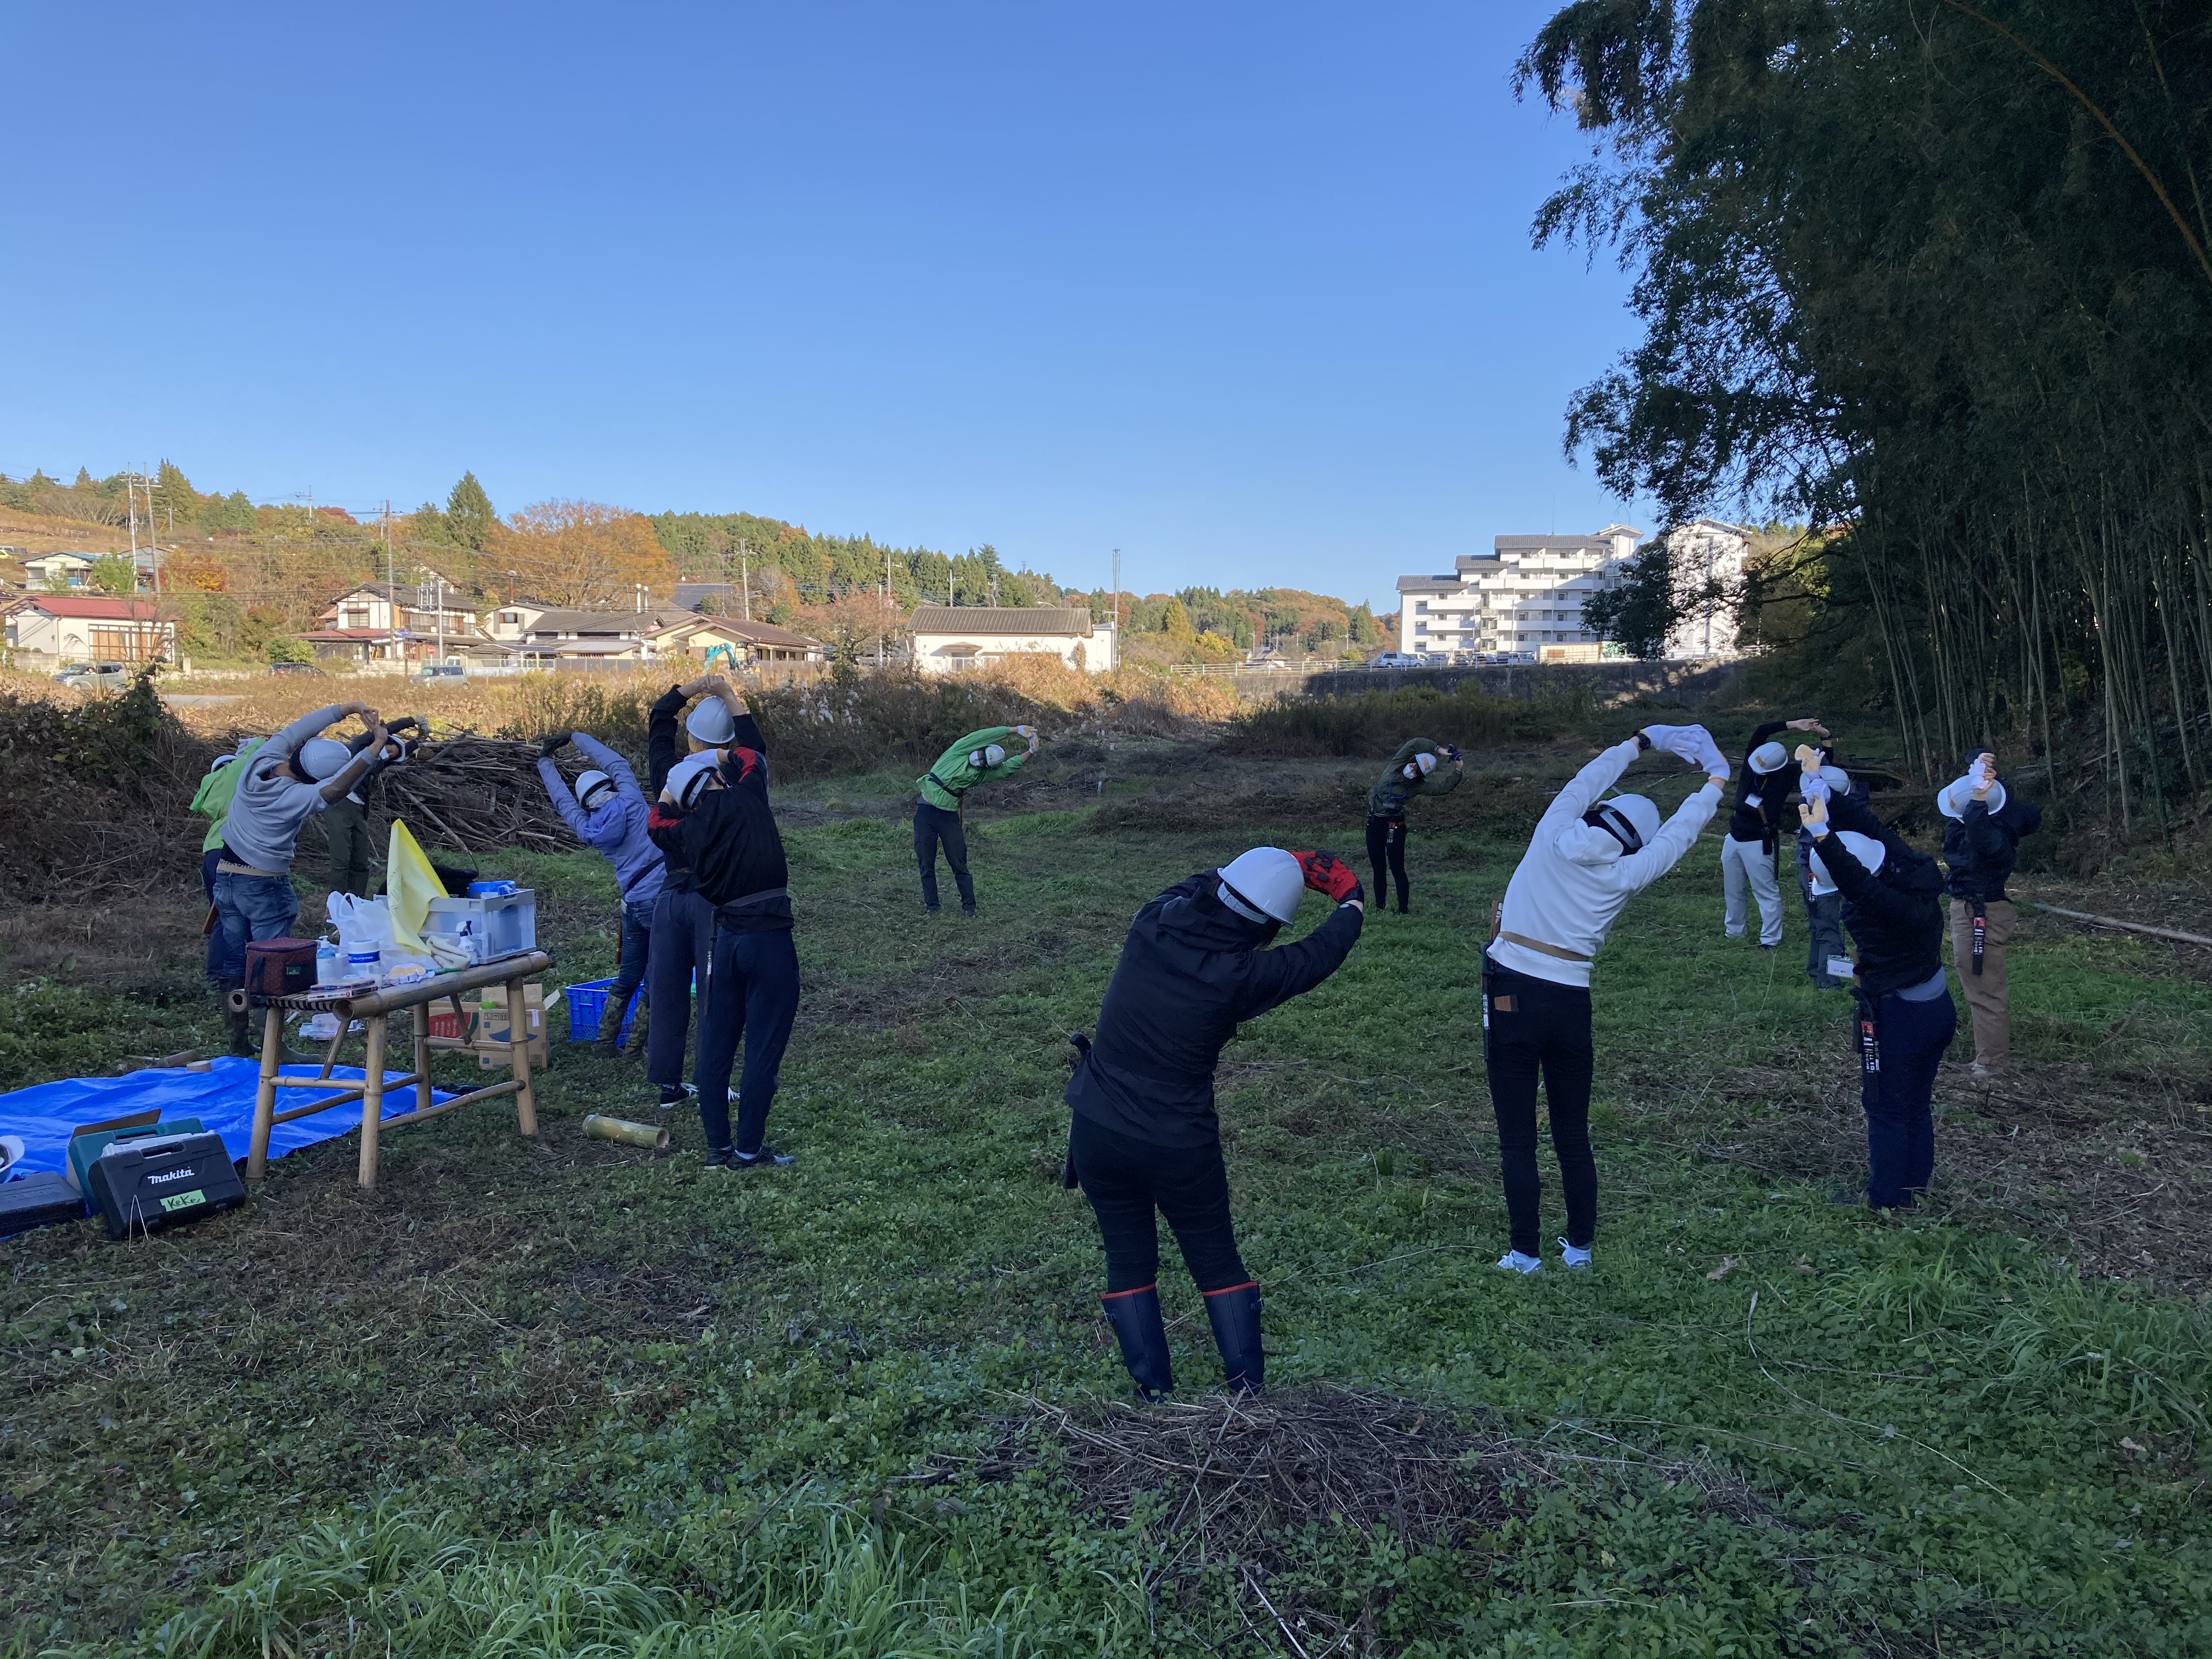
(2112, 1172)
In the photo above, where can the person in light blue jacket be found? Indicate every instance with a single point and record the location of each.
(607, 812)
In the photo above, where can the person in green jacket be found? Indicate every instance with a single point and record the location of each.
(211, 800)
(1419, 768)
(977, 758)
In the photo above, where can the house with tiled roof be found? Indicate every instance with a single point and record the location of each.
(48, 631)
(951, 638)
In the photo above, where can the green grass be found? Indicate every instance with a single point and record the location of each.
(573, 1398)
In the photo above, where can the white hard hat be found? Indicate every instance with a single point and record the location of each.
(1635, 813)
(324, 757)
(712, 722)
(1427, 763)
(989, 755)
(1768, 757)
(591, 783)
(1953, 798)
(689, 776)
(1264, 884)
(1837, 780)
(1865, 848)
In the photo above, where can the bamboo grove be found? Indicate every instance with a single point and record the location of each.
(1933, 277)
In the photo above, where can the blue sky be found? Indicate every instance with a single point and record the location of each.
(1245, 290)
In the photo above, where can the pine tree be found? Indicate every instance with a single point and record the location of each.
(468, 515)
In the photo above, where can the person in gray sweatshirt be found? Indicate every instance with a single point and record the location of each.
(293, 776)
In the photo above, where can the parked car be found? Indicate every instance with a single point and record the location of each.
(297, 668)
(96, 675)
(1394, 659)
(447, 672)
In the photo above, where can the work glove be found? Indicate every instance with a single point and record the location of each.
(1328, 873)
(1714, 763)
(1815, 817)
(1671, 739)
(1451, 753)
(1815, 787)
(549, 746)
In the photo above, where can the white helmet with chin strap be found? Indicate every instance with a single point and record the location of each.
(324, 758)
(1631, 820)
(1421, 766)
(1865, 848)
(591, 788)
(1768, 757)
(1264, 884)
(989, 755)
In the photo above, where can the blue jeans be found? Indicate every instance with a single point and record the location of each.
(683, 936)
(1909, 1039)
(752, 994)
(252, 907)
(636, 952)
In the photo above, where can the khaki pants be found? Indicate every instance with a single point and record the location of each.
(352, 848)
(1985, 990)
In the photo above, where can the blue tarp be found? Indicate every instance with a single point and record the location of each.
(221, 1098)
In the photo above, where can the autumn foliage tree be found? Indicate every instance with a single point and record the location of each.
(580, 555)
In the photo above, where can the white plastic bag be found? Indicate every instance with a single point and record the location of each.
(364, 934)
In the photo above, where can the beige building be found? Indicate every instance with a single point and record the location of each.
(733, 640)
(1524, 596)
(950, 639)
(1708, 557)
(381, 625)
(50, 630)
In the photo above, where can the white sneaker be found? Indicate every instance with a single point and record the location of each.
(1514, 1261)
(1573, 1257)
(1979, 1072)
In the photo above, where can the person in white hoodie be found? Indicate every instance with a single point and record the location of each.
(1587, 858)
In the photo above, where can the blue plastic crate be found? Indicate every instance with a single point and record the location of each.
(587, 1006)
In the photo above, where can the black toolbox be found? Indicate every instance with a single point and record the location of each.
(37, 1200)
(142, 1185)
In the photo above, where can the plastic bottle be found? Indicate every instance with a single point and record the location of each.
(327, 963)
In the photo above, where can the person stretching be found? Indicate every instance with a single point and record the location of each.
(943, 790)
(1981, 844)
(1419, 768)
(608, 813)
(682, 930)
(712, 817)
(1586, 860)
(211, 800)
(1828, 954)
(1145, 1136)
(1751, 852)
(1892, 907)
(292, 776)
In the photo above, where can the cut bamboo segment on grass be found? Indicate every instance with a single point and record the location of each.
(2174, 934)
(654, 1136)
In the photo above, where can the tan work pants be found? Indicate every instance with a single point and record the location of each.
(1985, 990)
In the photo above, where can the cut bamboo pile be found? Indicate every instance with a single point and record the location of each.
(475, 794)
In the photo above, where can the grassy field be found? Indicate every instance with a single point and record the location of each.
(570, 1398)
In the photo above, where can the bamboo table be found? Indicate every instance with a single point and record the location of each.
(374, 1008)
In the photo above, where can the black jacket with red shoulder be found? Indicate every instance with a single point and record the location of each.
(726, 847)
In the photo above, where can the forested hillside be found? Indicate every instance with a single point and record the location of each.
(1931, 277)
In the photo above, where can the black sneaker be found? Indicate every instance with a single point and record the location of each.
(676, 1094)
(767, 1159)
(717, 1158)
(967, 909)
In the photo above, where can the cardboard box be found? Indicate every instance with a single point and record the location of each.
(483, 1031)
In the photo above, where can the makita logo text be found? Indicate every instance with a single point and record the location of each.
(173, 1175)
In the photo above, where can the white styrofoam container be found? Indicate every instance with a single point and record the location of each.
(486, 928)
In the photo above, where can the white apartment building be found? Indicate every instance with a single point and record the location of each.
(1524, 595)
(1708, 573)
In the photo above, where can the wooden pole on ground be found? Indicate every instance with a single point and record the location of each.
(2174, 934)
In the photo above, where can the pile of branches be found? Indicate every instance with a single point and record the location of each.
(475, 794)
(1227, 1486)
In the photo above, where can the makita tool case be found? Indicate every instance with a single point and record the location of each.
(143, 1185)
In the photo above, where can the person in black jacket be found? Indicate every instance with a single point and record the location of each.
(1981, 843)
(680, 952)
(1751, 851)
(1145, 1135)
(1892, 907)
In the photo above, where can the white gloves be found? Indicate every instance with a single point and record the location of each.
(1813, 787)
(1693, 744)
(1815, 817)
(1709, 755)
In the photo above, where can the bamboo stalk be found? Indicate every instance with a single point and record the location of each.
(2174, 934)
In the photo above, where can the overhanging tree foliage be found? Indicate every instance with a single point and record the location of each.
(1934, 274)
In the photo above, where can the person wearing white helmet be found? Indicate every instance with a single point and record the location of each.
(1982, 832)
(942, 794)
(291, 777)
(1587, 858)
(1892, 907)
(211, 800)
(1419, 768)
(608, 812)
(679, 952)
(1144, 1140)
(1751, 852)
(1828, 954)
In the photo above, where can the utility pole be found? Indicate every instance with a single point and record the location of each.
(440, 582)
(391, 587)
(882, 609)
(745, 574)
(1117, 607)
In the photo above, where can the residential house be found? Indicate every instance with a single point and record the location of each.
(1524, 595)
(50, 630)
(742, 643)
(378, 622)
(56, 572)
(949, 639)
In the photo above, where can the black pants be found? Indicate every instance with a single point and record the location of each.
(1897, 1082)
(1386, 838)
(1125, 1180)
(752, 992)
(682, 944)
(1533, 1025)
(932, 826)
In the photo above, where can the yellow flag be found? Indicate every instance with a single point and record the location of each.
(410, 884)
